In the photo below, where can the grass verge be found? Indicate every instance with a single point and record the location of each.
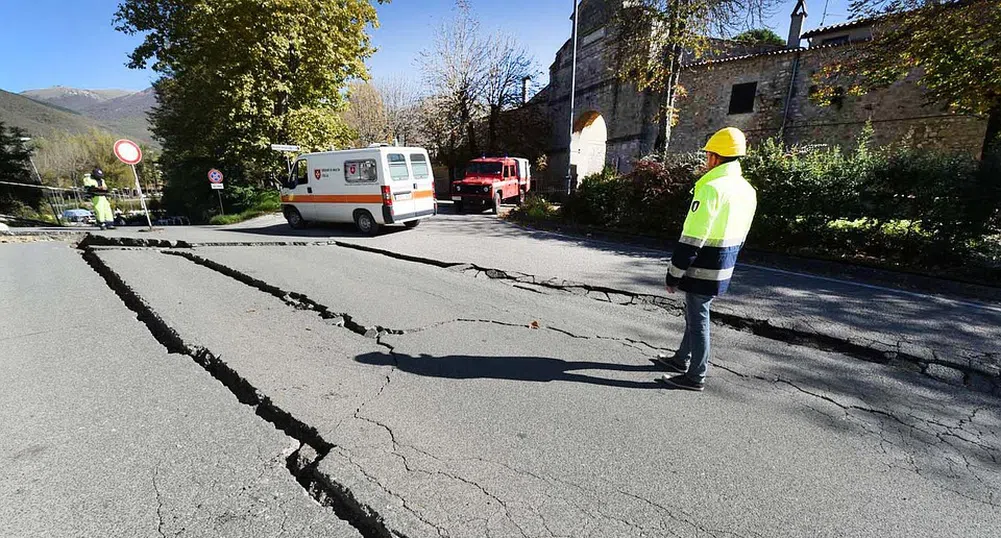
(240, 217)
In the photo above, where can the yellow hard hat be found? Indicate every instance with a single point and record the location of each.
(728, 142)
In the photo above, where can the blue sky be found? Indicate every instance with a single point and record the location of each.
(72, 43)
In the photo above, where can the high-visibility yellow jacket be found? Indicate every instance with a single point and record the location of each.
(715, 229)
(98, 191)
(94, 187)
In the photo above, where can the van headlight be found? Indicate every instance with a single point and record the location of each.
(486, 189)
(458, 188)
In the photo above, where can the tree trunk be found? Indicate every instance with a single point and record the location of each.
(991, 138)
(467, 120)
(471, 129)
(492, 127)
(671, 97)
(673, 55)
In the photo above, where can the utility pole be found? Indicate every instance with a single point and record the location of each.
(573, 92)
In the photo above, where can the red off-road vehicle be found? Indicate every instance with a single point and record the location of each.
(490, 181)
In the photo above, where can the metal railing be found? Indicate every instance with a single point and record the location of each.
(60, 199)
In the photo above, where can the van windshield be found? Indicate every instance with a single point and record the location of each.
(484, 169)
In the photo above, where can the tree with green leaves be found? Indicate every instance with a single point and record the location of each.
(366, 114)
(239, 75)
(760, 36)
(15, 167)
(654, 37)
(955, 45)
(63, 158)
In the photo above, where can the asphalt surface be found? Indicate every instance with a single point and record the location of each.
(443, 402)
(938, 328)
(106, 434)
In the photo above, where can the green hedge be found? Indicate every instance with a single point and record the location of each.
(895, 204)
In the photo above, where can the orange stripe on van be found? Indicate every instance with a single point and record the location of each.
(419, 195)
(333, 198)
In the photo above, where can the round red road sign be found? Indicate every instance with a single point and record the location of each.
(128, 152)
(215, 176)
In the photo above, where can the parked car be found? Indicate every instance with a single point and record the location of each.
(490, 181)
(78, 215)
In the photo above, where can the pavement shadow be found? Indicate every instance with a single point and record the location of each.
(532, 369)
(315, 230)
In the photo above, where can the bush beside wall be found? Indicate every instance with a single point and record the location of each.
(892, 206)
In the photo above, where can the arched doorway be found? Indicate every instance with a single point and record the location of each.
(587, 145)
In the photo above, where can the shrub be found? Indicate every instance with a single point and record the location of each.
(890, 203)
(651, 198)
(597, 200)
(535, 209)
(898, 205)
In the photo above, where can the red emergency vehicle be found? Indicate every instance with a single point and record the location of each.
(490, 181)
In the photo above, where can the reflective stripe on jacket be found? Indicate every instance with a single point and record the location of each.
(717, 224)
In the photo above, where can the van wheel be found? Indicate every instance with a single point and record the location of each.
(521, 196)
(365, 223)
(412, 224)
(497, 204)
(459, 209)
(294, 218)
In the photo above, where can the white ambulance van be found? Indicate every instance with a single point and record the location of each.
(371, 187)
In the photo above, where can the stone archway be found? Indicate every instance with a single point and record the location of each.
(587, 145)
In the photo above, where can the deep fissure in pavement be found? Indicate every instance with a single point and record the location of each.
(975, 376)
(759, 327)
(303, 462)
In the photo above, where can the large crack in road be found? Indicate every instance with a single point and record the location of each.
(300, 463)
(977, 370)
(304, 463)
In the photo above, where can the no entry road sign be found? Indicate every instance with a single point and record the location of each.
(128, 152)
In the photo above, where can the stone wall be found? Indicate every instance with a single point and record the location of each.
(624, 110)
(897, 113)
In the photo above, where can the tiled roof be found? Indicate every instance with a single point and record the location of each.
(847, 25)
(778, 52)
(759, 55)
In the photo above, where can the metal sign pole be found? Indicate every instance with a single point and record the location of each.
(573, 92)
(221, 210)
(142, 200)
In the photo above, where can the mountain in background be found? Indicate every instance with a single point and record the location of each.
(40, 119)
(121, 112)
(72, 98)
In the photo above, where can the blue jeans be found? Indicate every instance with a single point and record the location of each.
(694, 348)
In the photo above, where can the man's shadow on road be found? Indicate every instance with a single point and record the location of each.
(535, 369)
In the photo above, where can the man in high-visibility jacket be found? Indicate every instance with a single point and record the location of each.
(718, 220)
(98, 191)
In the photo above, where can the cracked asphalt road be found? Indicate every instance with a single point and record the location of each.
(438, 402)
(106, 434)
(930, 328)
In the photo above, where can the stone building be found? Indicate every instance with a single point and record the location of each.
(765, 92)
